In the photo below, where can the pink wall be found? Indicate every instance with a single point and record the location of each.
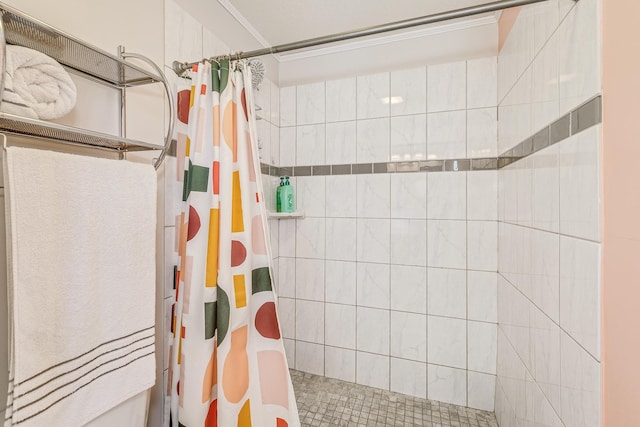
(505, 23)
(621, 215)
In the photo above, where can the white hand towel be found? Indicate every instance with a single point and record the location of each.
(36, 86)
(81, 263)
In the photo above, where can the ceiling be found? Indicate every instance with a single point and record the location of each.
(245, 25)
(285, 21)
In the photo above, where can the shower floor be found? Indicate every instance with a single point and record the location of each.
(329, 402)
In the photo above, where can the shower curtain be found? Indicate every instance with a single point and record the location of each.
(228, 366)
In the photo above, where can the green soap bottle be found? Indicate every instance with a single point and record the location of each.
(279, 195)
(288, 203)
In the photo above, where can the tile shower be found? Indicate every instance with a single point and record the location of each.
(390, 279)
(465, 287)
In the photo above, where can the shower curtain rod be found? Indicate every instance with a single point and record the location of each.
(181, 67)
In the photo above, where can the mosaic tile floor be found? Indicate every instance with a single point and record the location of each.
(329, 402)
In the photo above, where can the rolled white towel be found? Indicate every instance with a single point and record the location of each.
(36, 85)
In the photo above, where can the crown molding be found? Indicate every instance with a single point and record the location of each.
(487, 19)
(244, 22)
(390, 38)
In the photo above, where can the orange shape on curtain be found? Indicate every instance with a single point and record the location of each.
(240, 290)
(229, 128)
(281, 423)
(211, 279)
(237, 222)
(212, 415)
(235, 374)
(210, 376)
(244, 417)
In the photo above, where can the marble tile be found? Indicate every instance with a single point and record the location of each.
(482, 296)
(340, 363)
(310, 145)
(372, 140)
(287, 317)
(373, 330)
(546, 190)
(340, 282)
(481, 389)
(580, 385)
(544, 414)
(408, 138)
(545, 267)
(482, 245)
(373, 96)
(409, 336)
(341, 239)
(482, 195)
(261, 94)
(341, 143)
(482, 346)
(287, 146)
(408, 377)
(288, 106)
(340, 325)
(446, 87)
(310, 238)
(408, 195)
(447, 294)
(545, 337)
(372, 370)
(183, 36)
(310, 194)
(310, 357)
(447, 195)
(310, 279)
(580, 292)
(290, 352)
(579, 55)
(447, 135)
(447, 244)
(409, 242)
(275, 104)
(309, 321)
(310, 105)
(373, 285)
(580, 185)
(447, 341)
(482, 132)
(546, 96)
(341, 96)
(482, 78)
(275, 145)
(409, 288)
(373, 196)
(286, 277)
(287, 239)
(409, 91)
(373, 240)
(447, 385)
(341, 197)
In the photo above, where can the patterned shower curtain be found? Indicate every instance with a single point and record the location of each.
(228, 366)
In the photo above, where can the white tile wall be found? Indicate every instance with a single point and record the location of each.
(393, 288)
(548, 370)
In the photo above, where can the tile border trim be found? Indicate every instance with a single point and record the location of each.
(579, 119)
